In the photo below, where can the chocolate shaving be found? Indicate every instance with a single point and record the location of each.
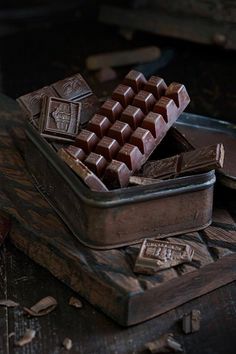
(27, 338)
(42, 307)
(75, 302)
(8, 303)
(165, 344)
(191, 322)
(67, 343)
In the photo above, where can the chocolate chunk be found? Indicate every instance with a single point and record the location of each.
(59, 119)
(191, 322)
(155, 255)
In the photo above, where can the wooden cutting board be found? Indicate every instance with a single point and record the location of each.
(106, 278)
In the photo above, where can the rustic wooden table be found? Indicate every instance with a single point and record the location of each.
(92, 332)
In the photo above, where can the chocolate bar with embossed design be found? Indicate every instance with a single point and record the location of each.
(155, 255)
(59, 119)
(196, 161)
(128, 127)
(73, 88)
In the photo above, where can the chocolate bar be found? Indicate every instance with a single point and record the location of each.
(128, 126)
(155, 255)
(72, 156)
(59, 119)
(200, 160)
(73, 89)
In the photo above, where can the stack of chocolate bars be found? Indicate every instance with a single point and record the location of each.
(119, 137)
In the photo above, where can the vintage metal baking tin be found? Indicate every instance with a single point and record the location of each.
(123, 216)
(200, 131)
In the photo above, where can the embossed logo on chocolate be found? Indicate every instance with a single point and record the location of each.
(72, 87)
(62, 116)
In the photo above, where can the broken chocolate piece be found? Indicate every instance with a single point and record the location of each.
(67, 343)
(165, 344)
(199, 160)
(74, 301)
(88, 177)
(59, 119)
(27, 338)
(8, 303)
(191, 322)
(155, 255)
(42, 307)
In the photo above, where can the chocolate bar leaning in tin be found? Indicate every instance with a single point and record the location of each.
(155, 255)
(129, 126)
(198, 160)
(72, 156)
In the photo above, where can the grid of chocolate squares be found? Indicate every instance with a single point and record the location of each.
(124, 132)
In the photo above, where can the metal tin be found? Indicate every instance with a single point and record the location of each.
(120, 217)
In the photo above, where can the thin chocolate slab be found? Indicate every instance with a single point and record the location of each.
(72, 87)
(155, 255)
(59, 119)
(88, 177)
(198, 160)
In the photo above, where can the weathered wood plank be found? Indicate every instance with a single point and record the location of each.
(221, 235)
(193, 28)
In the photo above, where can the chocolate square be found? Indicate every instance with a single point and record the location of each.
(59, 119)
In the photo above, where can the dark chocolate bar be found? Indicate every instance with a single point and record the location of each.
(72, 157)
(74, 89)
(200, 160)
(59, 119)
(128, 127)
(155, 255)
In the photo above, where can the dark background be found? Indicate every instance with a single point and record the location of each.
(43, 41)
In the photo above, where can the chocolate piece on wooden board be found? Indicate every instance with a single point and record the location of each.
(59, 119)
(88, 177)
(198, 160)
(155, 255)
(136, 130)
(73, 88)
(191, 322)
(165, 344)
